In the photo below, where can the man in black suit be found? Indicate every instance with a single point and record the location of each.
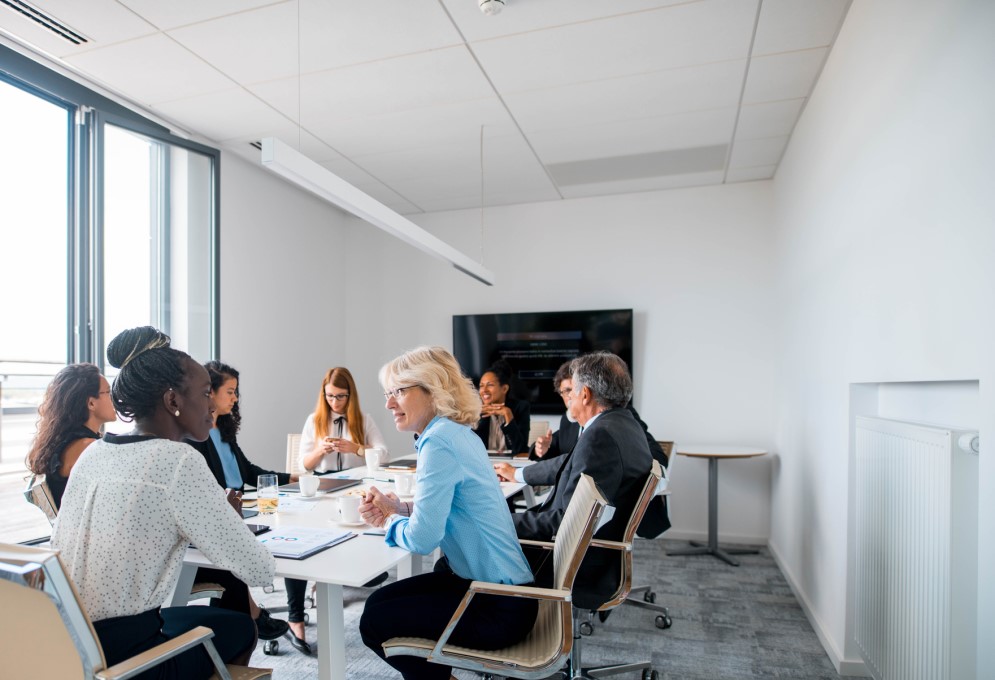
(657, 519)
(612, 449)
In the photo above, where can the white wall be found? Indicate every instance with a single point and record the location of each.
(281, 312)
(885, 244)
(695, 266)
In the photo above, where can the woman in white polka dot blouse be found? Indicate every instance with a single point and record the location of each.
(135, 502)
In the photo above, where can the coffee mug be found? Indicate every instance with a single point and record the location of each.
(349, 509)
(374, 459)
(309, 485)
(404, 483)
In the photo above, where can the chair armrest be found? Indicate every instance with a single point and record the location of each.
(610, 545)
(486, 588)
(545, 545)
(159, 653)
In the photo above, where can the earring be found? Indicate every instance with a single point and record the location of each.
(176, 413)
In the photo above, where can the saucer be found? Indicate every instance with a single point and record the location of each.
(351, 524)
(309, 498)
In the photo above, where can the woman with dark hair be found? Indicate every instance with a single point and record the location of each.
(135, 502)
(76, 405)
(504, 420)
(336, 435)
(233, 470)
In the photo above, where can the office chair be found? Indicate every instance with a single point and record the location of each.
(51, 635)
(549, 645)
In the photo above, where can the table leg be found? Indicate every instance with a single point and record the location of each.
(181, 593)
(712, 547)
(331, 632)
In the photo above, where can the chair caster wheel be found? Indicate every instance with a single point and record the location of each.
(307, 618)
(663, 621)
(271, 647)
(650, 597)
(308, 603)
(586, 628)
(650, 674)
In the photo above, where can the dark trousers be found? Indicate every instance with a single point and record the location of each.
(296, 591)
(421, 606)
(236, 595)
(124, 636)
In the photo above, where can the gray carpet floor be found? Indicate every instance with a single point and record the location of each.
(728, 622)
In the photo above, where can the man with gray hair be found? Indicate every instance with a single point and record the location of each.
(612, 449)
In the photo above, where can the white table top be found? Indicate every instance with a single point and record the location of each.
(718, 451)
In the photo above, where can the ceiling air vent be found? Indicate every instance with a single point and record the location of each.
(258, 145)
(50, 23)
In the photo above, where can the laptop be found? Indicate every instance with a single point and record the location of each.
(325, 485)
(402, 464)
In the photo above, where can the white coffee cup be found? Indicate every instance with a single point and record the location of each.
(349, 509)
(404, 483)
(374, 459)
(309, 485)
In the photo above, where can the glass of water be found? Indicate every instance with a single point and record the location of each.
(268, 494)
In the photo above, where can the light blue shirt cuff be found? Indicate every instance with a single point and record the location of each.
(520, 475)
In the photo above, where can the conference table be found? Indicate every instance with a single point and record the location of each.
(351, 563)
(714, 453)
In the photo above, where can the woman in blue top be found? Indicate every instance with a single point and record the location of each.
(458, 506)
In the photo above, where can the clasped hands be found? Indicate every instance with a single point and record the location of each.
(339, 445)
(497, 410)
(378, 506)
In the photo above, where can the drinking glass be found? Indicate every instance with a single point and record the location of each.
(267, 494)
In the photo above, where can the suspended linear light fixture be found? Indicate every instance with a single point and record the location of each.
(297, 168)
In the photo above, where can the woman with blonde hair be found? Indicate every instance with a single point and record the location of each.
(336, 435)
(458, 506)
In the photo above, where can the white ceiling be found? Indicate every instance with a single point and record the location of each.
(430, 105)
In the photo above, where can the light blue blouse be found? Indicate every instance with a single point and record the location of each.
(233, 477)
(459, 507)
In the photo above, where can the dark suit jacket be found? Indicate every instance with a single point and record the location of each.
(516, 433)
(613, 451)
(656, 520)
(250, 472)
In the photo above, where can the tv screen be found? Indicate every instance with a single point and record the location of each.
(535, 344)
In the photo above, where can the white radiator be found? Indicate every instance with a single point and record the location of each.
(916, 507)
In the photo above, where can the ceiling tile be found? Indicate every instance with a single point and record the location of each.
(788, 25)
(680, 131)
(783, 76)
(224, 115)
(101, 22)
(750, 174)
(753, 152)
(530, 15)
(379, 88)
(335, 34)
(769, 119)
(175, 13)
(666, 38)
(659, 93)
(150, 70)
(248, 47)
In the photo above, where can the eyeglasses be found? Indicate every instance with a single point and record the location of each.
(397, 392)
(337, 397)
(564, 391)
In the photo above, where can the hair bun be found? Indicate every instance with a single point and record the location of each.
(131, 343)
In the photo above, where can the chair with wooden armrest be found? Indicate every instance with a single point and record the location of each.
(548, 645)
(624, 548)
(38, 494)
(51, 635)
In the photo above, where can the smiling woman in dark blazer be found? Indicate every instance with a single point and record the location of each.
(504, 420)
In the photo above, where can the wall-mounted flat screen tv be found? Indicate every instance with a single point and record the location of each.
(535, 344)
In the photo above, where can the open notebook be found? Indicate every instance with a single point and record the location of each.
(298, 543)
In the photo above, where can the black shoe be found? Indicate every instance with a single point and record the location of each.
(300, 645)
(270, 628)
(376, 580)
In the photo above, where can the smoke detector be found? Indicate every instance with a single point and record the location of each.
(491, 7)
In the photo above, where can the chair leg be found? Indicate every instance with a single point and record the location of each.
(576, 669)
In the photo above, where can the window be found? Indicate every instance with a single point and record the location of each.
(107, 221)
